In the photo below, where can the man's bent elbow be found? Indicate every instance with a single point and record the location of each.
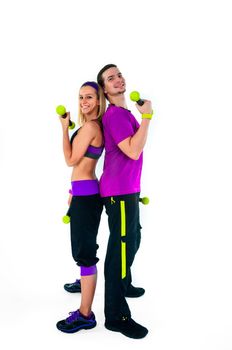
(134, 155)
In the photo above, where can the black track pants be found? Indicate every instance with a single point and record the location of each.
(124, 241)
(85, 213)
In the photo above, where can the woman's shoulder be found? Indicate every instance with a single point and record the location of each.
(91, 126)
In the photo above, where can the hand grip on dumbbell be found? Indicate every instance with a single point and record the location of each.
(61, 111)
(135, 97)
(66, 218)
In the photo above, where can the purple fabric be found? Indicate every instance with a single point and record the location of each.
(76, 315)
(88, 270)
(92, 84)
(121, 174)
(95, 150)
(85, 187)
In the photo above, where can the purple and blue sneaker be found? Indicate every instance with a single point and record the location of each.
(74, 287)
(76, 321)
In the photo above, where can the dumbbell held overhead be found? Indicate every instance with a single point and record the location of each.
(61, 111)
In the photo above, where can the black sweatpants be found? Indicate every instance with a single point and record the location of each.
(85, 213)
(124, 241)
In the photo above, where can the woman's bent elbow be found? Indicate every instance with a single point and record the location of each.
(69, 163)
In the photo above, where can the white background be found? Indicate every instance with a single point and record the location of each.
(176, 53)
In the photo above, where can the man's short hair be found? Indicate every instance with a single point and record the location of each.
(99, 76)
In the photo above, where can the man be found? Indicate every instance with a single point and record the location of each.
(120, 189)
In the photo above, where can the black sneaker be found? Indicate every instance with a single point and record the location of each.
(134, 292)
(74, 287)
(76, 321)
(127, 327)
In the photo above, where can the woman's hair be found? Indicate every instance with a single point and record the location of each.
(101, 98)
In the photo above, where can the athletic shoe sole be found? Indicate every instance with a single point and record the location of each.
(74, 330)
(116, 329)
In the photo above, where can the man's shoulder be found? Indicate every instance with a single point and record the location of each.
(116, 110)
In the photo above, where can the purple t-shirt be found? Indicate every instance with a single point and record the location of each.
(121, 174)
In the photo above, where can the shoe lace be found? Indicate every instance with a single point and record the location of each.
(73, 316)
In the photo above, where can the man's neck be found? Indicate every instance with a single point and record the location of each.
(118, 100)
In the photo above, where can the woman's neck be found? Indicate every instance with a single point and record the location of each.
(89, 117)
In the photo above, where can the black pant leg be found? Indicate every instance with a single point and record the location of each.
(123, 218)
(85, 212)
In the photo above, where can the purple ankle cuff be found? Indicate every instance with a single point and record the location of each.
(88, 270)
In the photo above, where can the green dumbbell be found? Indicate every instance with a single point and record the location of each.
(66, 218)
(135, 97)
(144, 200)
(61, 111)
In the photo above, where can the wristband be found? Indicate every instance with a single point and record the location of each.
(147, 116)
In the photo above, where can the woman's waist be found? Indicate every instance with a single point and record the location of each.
(83, 173)
(84, 187)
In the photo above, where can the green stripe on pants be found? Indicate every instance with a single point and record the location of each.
(123, 234)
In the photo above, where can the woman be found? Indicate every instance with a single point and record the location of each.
(82, 153)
